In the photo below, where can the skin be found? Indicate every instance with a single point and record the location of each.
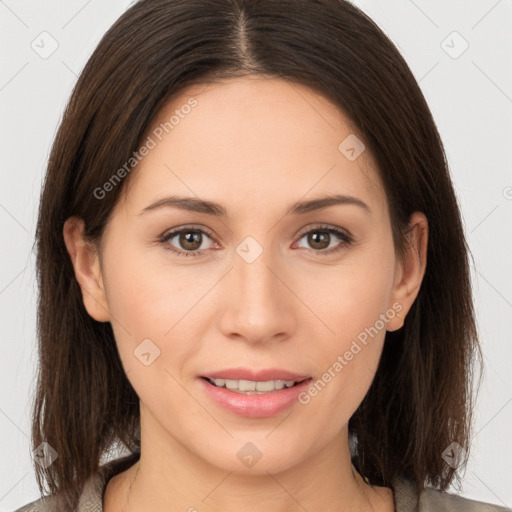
(256, 145)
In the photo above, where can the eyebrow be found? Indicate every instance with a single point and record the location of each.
(211, 208)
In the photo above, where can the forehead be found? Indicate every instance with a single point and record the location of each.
(253, 139)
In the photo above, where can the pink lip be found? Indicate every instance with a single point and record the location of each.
(255, 375)
(254, 406)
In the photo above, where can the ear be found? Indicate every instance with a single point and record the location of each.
(409, 272)
(85, 260)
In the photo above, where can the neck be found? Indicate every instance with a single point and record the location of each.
(168, 477)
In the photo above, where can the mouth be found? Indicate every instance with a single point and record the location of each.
(251, 387)
(259, 395)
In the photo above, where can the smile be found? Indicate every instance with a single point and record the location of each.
(251, 387)
(253, 398)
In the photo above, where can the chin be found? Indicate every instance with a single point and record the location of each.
(254, 455)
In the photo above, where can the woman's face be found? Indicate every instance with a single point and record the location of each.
(257, 284)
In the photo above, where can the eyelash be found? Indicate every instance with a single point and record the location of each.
(344, 237)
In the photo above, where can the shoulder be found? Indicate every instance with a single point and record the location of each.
(434, 500)
(91, 498)
(44, 504)
(439, 501)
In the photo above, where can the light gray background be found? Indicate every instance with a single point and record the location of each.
(471, 100)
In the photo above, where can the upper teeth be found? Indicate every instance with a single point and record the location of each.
(251, 385)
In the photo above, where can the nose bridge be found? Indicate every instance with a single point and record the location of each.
(257, 308)
(257, 284)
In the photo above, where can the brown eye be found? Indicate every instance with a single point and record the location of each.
(188, 242)
(322, 238)
(319, 239)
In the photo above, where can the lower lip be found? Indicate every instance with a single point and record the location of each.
(255, 406)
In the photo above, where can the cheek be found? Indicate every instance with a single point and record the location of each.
(356, 308)
(146, 291)
(351, 297)
(154, 335)
(151, 300)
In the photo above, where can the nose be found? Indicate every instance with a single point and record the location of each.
(258, 305)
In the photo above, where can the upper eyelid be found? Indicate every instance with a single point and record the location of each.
(175, 231)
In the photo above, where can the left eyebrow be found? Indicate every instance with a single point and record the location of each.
(303, 207)
(217, 210)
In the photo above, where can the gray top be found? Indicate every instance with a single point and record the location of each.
(431, 500)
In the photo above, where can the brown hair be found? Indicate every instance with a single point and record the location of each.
(421, 398)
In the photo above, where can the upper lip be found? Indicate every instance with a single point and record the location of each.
(255, 375)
